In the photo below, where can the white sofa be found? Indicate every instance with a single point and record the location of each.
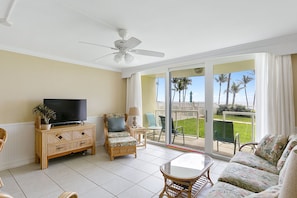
(258, 174)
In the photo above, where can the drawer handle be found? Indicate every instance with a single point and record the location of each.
(82, 143)
(59, 147)
(59, 136)
(83, 133)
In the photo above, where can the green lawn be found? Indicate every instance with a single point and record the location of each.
(244, 129)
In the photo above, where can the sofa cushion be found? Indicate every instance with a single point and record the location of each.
(271, 192)
(222, 189)
(292, 143)
(251, 179)
(271, 147)
(254, 161)
(116, 124)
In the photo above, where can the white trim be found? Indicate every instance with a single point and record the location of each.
(279, 45)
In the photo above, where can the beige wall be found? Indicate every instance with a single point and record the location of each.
(26, 80)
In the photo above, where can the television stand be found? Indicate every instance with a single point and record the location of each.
(63, 140)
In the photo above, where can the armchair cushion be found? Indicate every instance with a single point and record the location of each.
(116, 124)
(118, 134)
(271, 147)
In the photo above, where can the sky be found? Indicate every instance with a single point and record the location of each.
(198, 89)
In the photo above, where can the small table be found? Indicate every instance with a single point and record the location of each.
(138, 133)
(186, 175)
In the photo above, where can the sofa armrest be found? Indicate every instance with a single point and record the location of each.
(252, 144)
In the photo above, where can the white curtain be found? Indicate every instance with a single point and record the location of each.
(274, 95)
(134, 96)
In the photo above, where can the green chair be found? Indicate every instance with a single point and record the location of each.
(223, 131)
(175, 131)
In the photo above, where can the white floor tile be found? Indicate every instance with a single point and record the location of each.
(97, 176)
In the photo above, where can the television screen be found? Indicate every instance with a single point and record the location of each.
(67, 110)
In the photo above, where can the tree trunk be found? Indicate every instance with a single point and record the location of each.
(227, 91)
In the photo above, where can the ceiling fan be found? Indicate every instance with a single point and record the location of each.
(124, 48)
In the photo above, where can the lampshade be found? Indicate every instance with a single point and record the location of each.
(133, 111)
(289, 189)
(118, 57)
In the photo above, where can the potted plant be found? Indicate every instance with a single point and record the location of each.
(46, 114)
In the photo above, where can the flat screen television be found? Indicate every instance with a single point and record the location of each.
(68, 111)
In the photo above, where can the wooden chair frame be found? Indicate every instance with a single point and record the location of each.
(118, 150)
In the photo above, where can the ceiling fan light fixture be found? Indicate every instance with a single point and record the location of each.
(128, 58)
(118, 57)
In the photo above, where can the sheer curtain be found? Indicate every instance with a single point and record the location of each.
(134, 96)
(274, 95)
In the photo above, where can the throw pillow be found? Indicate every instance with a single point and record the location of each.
(292, 143)
(116, 124)
(285, 167)
(271, 147)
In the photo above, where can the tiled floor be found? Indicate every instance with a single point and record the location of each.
(97, 176)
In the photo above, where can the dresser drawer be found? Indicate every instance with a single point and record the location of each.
(59, 137)
(53, 149)
(86, 133)
(82, 143)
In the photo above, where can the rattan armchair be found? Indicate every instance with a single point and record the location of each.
(3, 138)
(118, 141)
(69, 195)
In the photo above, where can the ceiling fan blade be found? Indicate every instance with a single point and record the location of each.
(84, 42)
(147, 52)
(131, 43)
(95, 60)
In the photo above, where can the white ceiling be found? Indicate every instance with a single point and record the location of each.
(53, 28)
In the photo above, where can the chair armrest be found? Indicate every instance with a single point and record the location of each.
(253, 144)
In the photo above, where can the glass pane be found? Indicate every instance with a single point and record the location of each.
(153, 104)
(234, 105)
(187, 107)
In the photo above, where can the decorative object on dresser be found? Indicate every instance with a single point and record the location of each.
(133, 111)
(46, 114)
(63, 140)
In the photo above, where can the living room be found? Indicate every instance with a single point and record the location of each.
(26, 79)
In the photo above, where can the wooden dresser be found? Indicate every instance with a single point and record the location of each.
(63, 140)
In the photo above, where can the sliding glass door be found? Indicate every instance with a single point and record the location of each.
(188, 107)
(187, 101)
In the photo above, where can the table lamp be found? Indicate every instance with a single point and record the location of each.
(133, 111)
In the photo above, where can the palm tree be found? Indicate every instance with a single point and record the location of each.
(227, 90)
(245, 80)
(181, 85)
(174, 82)
(235, 88)
(185, 81)
(178, 86)
(222, 78)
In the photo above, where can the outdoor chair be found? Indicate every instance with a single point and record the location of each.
(152, 124)
(118, 141)
(223, 131)
(175, 131)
